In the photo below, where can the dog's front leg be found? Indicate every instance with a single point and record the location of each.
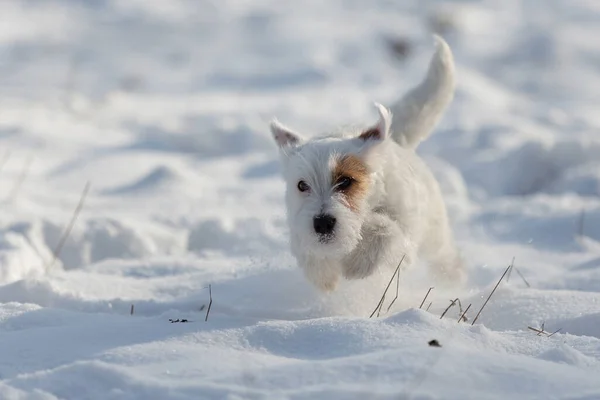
(323, 273)
(383, 244)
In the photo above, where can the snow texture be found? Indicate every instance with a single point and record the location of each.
(163, 106)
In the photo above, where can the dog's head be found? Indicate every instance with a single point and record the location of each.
(329, 180)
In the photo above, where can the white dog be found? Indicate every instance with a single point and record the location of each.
(358, 201)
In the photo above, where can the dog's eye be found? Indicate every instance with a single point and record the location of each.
(303, 186)
(344, 183)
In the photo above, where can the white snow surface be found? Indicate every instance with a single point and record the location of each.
(163, 106)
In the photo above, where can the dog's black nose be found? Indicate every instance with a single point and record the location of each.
(324, 224)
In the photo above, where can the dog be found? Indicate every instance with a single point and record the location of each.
(362, 200)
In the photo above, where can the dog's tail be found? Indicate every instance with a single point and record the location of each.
(419, 111)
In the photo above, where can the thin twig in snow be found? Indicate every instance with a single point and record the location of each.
(490, 296)
(512, 266)
(67, 231)
(397, 290)
(378, 308)
(430, 303)
(460, 309)
(209, 302)
(522, 277)
(542, 332)
(452, 303)
(538, 331)
(380, 304)
(425, 298)
(131, 311)
(556, 331)
(462, 317)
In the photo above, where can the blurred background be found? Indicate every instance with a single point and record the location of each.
(137, 169)
(163, 107)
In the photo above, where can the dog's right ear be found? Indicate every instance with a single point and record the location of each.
(372, 137)
(381, 130)
(284, 137)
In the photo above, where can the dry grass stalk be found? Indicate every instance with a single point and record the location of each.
(131, 311)
(430, 303)
(512, 266)
(378, 308)
(452, 303)
(556, 331)
(67, 231)
(490, 296)
(380, 304)
(542, 332)
(397, 290)
(425, 298)
(460, 309)
(522, 277)
(209, 302)
(463, 316)
(538, 331)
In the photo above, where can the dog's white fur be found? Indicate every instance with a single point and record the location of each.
(399, 213)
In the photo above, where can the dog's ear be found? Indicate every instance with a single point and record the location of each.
(284, 137)
(381, 130)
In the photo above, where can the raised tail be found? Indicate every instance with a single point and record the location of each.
(418, 112)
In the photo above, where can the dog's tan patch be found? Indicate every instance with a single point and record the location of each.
(351, 166)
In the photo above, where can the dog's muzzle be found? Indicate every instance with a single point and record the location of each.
(324, 224)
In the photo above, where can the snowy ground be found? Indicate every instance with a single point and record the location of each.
(163, 107)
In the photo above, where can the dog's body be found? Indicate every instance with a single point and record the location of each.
(358, 201)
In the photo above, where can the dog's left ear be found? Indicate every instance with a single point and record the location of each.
(284, 137)
(381, 130)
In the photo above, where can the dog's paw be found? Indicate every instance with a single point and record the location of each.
(360, 264)
(374, 254)
(325, 283)
(324, 276)
(329, 285)
(382, 245)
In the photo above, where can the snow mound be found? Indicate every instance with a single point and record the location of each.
(176, 280)
(567, 355)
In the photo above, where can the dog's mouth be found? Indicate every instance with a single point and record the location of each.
(326, 239)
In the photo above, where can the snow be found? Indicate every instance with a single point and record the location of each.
(163, 106)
